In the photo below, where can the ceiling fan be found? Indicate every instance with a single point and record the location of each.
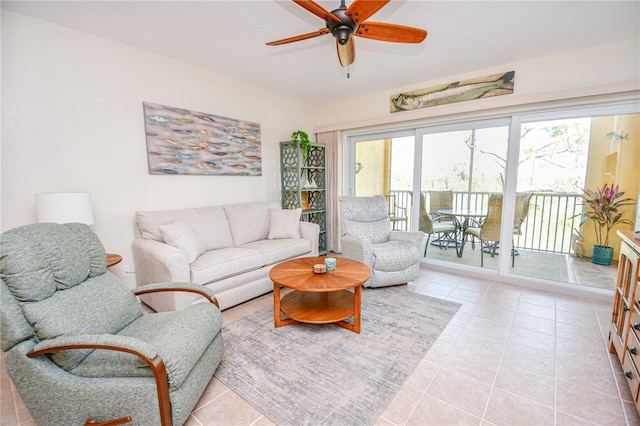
(345, 22)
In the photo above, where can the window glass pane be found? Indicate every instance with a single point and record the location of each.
(558, 159)
(385, 167)
(460, 171)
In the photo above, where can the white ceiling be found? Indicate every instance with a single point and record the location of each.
(229, 37)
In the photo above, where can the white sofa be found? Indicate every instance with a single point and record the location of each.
(230, 249)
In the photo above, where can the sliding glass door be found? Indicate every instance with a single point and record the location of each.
(502, 195)
(558, 159)
(462, 167)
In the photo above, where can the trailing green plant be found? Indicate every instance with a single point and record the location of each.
(604, 204)
(305, 143)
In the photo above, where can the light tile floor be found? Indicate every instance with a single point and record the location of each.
(511, 356)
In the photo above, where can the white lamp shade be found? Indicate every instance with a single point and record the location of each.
(64, 207)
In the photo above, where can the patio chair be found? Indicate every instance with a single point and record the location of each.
(77, 344)
(489, 231)
(393, 256)
(523, 201)
(432, 223)
(440, 200)
(397, 213)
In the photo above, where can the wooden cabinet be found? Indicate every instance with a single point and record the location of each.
(304, 185)
(624, 332)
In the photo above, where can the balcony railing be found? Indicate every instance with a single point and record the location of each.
(549, 224)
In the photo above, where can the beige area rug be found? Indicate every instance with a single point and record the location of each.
(305, 374)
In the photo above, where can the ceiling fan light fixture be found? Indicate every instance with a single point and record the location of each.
(342, 34)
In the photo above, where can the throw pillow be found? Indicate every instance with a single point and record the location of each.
(284, 223)
(180, 236)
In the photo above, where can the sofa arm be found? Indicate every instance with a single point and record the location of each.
(159, 262)
(311, 231)
(357, 248)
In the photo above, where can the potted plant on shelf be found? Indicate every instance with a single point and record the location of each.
(305, 143)
(603, 206)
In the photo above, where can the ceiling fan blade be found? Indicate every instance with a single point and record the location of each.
(317, 10)
(346, 52)
(360, 10)
(320, 32)
(390, 32)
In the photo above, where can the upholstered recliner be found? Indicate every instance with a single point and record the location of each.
(392, 256)
(79, 347)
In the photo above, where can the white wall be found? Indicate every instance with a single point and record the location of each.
(72, 120)
(587, 71)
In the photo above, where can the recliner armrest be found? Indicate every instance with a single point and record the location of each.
(414, 237)
(131, 345)
(96, 341)
(357, 248)
(178, 286)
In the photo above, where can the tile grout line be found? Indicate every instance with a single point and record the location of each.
(424, 392)
(613, 373)
(504, 347)
(555, 365)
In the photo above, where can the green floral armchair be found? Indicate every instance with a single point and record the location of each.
(79, 347)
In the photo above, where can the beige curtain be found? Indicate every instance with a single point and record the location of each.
(332, 142)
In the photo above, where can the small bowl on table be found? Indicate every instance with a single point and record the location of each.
(319, 268)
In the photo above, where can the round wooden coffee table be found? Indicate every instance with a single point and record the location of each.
(318, 298)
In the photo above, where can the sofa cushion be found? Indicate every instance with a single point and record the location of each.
(376, 232)
(275, 251)
(181, 236)
(218, 264)
(209, 223)
(180, 337)
(249, 221)
(284, 223)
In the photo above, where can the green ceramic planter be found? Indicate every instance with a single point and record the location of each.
(601, 255)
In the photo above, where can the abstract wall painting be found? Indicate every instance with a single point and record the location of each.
(477, 88)
(183, 142)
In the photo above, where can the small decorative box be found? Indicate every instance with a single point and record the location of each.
(330, 263)
(319, 268)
